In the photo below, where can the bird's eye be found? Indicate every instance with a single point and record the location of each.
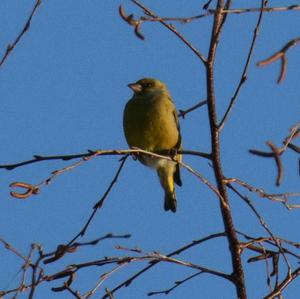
(147, 85)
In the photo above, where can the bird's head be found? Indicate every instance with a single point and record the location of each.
(147, 85)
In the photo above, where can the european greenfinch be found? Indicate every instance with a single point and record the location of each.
(150, 123)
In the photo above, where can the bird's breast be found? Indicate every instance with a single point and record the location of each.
(150, 124)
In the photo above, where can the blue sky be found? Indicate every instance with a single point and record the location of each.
(63, 90)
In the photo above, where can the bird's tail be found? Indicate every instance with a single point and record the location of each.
(177, 178)
(170, 202)
(166, 177)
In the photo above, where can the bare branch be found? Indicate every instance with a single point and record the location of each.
(277, 197)
(9, 247)
(35, 189)
(152, 258)
(245, 70)
(210, 12)
(176, 285)
(289, 278)
(264, 9)
(11, 47)
(238, 272)
(182, 113)
(171, 27)
(281, 54)
(277, 152)
(262, 222)
(100, 203)
(295, 131)
(128, 281)
(94, 153)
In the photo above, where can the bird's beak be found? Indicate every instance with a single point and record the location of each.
(135, 87)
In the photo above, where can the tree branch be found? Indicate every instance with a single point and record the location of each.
(289, 278)
(148, 12)
(211, 12)
(95, 153)
(129, 280)
(238, 273)
(10, 47)
(245, 70)
(281, 54)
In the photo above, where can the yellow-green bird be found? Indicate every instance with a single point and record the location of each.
(150, 123)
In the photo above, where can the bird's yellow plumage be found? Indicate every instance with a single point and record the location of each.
(150, 123)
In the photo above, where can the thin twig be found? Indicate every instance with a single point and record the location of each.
(129, 280)
(148, 12)
(277, 197)
(35, 189)
(152, 258)
(270, 241)
(277, 153)
(281, 54)
(9, 247)
(11, 47)
(100, 203)
(59, 253)
(295, 133)
(103, 279)
(36, 278)
(176, 285)
(182, 113)
(94, 153)
(288, 279)
(211, 12)
(63, 249)
(206, 182)
(262, 222)
(245, 70)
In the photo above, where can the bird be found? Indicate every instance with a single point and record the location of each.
(151, 123)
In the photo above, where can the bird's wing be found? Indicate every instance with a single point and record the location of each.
(178, 145)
